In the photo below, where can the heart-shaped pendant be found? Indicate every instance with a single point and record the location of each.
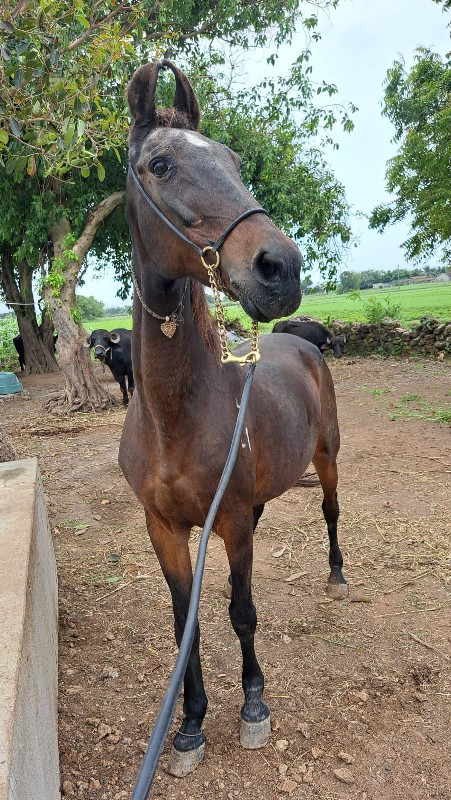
(168, 327)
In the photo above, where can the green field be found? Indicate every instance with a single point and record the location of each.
(415, 301)
(108, 323)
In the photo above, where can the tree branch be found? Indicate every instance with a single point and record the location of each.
(95, 25)
(95, 217)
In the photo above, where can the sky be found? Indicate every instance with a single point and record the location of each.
(360, 41)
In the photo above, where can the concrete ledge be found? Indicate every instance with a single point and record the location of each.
(29, 764)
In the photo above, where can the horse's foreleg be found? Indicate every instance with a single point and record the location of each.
(255, 721)
(173, 554)
(326, 467)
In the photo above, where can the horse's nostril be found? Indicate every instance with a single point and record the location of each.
(269, 266)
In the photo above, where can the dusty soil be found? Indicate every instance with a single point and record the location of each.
(359, 690)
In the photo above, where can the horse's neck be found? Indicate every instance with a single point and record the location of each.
(168, 372)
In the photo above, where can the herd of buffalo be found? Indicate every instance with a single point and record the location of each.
(113, 348)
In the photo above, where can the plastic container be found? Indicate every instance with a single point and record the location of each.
(9, 383)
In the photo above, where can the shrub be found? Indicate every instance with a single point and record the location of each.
(376, 310)
(8, 354)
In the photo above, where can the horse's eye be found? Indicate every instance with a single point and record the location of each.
(159, 168)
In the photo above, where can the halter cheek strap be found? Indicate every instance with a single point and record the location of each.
(210, 245)
(169, 326)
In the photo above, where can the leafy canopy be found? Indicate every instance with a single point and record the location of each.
(64, 65)
(419, 105)
(63, 118)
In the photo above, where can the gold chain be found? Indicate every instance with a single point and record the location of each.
(216, 285)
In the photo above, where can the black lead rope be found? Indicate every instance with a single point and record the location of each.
(166, 713)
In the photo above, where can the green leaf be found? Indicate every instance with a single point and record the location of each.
(22, 47)
(80, 128)
(6, 26)
(15, 127)
(4, 138)
(85, 172)
(100, 172)
(31, 166)
(69, 135)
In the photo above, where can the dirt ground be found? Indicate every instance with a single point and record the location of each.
(359, 690)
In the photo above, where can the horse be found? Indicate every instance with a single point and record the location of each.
(184, 197)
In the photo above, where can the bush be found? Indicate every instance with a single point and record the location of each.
(376, 310)
(8, 353)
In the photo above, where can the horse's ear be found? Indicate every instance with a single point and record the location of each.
(184, 99)
(141, 93)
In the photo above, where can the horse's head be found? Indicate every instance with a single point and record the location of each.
(195, 182)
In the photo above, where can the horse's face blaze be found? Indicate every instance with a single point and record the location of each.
(196, 183)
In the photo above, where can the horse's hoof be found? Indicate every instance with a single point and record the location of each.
(254, 735)
(227, 590)
(182, 763)
(337, 591)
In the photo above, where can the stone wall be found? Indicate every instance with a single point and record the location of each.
(429, 337)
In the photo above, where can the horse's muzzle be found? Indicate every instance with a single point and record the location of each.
(264, 306)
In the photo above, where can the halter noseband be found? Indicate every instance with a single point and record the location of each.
(210, 245)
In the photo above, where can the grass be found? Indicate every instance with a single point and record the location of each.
(414, 301)
(411, 406)
(108, 323)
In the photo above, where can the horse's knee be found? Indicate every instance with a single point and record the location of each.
(243, 618)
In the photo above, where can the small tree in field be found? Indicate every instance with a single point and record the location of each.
(89, 307)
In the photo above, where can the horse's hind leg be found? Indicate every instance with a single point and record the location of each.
(325, 462)
(238, 539)
(173, 554)
(257, 512)
(326, 467)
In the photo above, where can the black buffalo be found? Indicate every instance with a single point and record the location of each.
(313, 332)
(114, 348)
(18, 344)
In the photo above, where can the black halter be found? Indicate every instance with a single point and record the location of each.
(212, 246)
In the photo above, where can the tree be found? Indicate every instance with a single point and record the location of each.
(64, 124)
(287, 175)
(419, 105)
(350, 281)
(17, 240)
(89, 307)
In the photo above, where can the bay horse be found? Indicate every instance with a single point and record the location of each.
(184, 189)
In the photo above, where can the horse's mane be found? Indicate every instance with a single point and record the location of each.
(203, 317)
(164, 118)
(172, 118)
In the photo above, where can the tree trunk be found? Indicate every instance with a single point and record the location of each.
(38, 359)
(83, 392)
(47, 331)
(7, 452)
(19, 294)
